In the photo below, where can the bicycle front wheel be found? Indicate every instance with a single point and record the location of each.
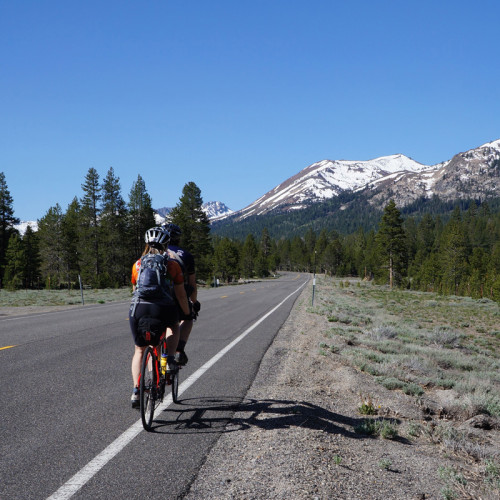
(149, 381)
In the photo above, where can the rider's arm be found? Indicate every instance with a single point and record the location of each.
(180, 295)
(191, 275)
(192, 282)
(178, 279)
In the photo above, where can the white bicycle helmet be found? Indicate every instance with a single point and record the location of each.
(157, 236)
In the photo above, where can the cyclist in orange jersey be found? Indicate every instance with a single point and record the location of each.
(157, 306)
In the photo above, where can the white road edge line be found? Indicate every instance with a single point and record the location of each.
(68, 489)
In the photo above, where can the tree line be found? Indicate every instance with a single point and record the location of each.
(96, 240)
(460, 256)
(100, 235)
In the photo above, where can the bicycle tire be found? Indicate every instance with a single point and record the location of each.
(147, 391)
(175, 386)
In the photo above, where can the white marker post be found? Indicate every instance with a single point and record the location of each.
(314, 278)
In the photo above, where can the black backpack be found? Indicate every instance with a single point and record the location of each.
(152, 282)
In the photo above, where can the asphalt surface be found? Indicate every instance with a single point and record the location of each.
(66, 388)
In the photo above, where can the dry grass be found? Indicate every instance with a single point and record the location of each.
(41, 298)
(431, 348)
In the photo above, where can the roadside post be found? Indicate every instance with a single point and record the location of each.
(81, 289)
(314, 278)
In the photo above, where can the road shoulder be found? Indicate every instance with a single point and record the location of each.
(294, 435)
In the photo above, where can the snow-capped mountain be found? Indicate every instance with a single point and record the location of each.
(326, 179)
(213, 209)
(473, 174)
(216, 210)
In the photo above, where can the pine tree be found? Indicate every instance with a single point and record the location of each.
(14, 269)
(90, 243)
(31, 271)
(284, 253)
(249, 256)
(71, 228)
(454, 253)
(263, 262)
(332, 257)
(113, 224)
(51, 247)
(265, 243)
(391, 240)
(7, 221)
(141, 217)
(226, 259)
(195, 226)
(319, 248)
(298, 254)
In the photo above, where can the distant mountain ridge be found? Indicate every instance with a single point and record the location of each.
(213, 209)
(473, 174)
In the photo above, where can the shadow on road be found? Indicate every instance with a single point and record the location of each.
(226, 414)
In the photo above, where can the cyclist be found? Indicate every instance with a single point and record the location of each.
(161, 308)
(186, 261)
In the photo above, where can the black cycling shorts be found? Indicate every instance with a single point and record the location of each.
(168, 313)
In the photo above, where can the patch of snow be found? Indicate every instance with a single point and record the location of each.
(23, 225)
(494, 144)
(159, 219)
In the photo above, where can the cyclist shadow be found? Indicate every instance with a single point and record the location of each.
(226, 414)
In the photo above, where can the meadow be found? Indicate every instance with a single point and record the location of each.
(42, 298)
(442, 352)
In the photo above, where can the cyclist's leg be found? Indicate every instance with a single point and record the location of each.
(172, 339)
(136, 363)
(186, 327)
(138, 354)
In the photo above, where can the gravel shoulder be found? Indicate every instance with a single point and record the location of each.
(294, 436)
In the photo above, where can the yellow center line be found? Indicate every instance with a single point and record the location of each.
(241, 293)
(7, 347)
(224, 297)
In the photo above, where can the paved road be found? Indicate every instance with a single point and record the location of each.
(66, 387)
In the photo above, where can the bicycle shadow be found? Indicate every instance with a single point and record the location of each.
(226, 414)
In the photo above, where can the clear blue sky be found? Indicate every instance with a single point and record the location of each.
(236, 96)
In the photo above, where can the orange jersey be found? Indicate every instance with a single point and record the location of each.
(174, 272)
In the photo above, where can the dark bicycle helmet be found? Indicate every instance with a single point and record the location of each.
(157, 236)
(173, 229)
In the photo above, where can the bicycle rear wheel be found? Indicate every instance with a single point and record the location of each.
(149, 381)
(174, 377)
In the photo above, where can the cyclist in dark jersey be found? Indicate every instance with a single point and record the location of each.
(186, 261)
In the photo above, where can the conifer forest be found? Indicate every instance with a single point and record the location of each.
(100, 235)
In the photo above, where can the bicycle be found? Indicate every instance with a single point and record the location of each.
(153, 379)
